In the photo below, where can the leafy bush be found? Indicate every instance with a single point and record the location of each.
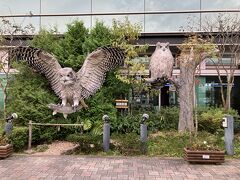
(127, 144)
(19, 138)
(30, 93)
(126, 124)
(171, 143)
(166, 119)
(88, 143)
(4, 141)
(210, 119)
(41, 148)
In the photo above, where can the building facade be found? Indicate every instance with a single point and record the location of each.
(161, 21)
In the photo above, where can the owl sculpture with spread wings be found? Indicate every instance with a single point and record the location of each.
(161, 63)
(70, 86)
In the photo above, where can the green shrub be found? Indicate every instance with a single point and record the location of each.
(88, 143)
(126, 124)
(166, 119)
(171, 143)
(41, 148)
(210, 119)
(127, 144)
(4, 140)
(19, 138)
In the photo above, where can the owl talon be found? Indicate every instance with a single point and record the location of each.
(74, 107)
(54, 113)
(86, 107)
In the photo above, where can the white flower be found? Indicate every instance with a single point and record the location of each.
(204, 142)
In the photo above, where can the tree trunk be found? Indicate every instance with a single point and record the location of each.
(228, 97)
(186, 96)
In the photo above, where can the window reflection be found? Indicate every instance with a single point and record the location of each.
(19, 7)
(166, 5)
(61, 22)
(220, 4)
(108, 19)
(169, 22)
(117, 5)
(25, 25)
(66, 6)
(150, 23)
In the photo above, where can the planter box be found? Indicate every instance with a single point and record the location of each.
(6, 150)
(194, 156)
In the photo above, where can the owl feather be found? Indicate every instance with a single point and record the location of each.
(161, 63)
(72, 87)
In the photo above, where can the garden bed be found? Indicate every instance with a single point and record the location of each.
(204, 156)
(6, 150)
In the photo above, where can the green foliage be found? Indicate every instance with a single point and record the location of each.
(127, 144)
(211, 143)
(19, 138)
(41, 148)
(124, 35)
(169, 143)
(46, 40)
(166, 119)
(29, 95)
(88, 143)
(30, 92)
(69, 49)
(4, 141)
(99, 35)
(210, 119)
(237, 145)
(126, 124)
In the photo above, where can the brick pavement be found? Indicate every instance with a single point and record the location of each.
(104, 168)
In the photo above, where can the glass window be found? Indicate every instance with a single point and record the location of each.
(226, 60)
(213, 19)
(117, 5)
(166, 5)
(61, 22)
(221, 4)
(108, 19)
(19, 7)
(30, 25)
(66, 6)
(169, 22)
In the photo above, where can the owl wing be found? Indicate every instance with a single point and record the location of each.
(41, 61)
(93, 72)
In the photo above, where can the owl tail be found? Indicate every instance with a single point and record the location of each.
(65, 116)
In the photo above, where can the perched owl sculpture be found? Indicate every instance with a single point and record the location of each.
(72, 87)
(161, 63)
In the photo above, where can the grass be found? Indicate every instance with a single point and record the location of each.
(171, 143)
(167, 144)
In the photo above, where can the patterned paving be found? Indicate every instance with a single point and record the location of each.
(87, 167)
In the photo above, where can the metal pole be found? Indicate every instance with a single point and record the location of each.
(228, 122)
(143, 133)
(30, 135)
(106, 133)
(159, 99)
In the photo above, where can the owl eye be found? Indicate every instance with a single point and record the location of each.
(69, 75)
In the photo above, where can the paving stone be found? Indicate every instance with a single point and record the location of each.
(85, 167)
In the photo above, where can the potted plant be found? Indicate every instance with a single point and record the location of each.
(203, 152)
(6, 148)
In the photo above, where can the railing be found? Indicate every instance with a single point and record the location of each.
(30, 125)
